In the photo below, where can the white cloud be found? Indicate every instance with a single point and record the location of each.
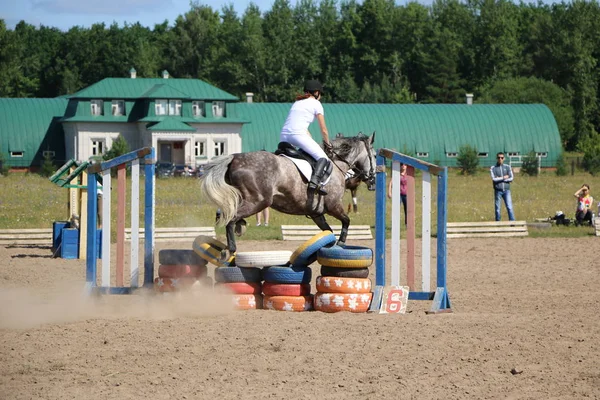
(101, 7)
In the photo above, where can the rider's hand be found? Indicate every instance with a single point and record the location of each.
(327, 146)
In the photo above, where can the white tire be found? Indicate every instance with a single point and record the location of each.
(262, 258)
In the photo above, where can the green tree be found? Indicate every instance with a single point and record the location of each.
(591, 155)
(531, 164)
(119, 147)
(47, 168)
(561, 166)
(467, 159)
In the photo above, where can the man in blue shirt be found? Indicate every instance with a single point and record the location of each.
(501, 177)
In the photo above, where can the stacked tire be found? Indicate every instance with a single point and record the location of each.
(287, 288)
(344, 284)
(180, 270)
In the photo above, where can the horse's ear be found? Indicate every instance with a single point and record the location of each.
(339, 135)
(373, 137)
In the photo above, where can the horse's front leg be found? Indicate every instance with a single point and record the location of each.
(321, 222)
(337, 211)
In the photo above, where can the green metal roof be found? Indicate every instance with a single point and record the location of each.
(171, 124)
(31, 126)
(128, 88)
(435, 129)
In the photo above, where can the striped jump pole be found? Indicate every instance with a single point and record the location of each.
(146, 156)
(441, 300)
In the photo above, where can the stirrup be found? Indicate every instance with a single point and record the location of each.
(317, 188)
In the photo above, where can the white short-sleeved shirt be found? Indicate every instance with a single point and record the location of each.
(301, 115)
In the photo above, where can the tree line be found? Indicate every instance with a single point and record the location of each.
(373, 51)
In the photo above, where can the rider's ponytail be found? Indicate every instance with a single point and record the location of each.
(303, 96)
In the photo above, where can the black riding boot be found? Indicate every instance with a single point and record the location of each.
(316, 180)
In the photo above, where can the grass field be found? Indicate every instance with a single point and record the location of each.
(31, 201)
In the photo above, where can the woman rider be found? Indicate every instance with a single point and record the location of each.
(295, 130)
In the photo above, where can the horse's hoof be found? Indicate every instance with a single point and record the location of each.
(240, 227)
(340, 243)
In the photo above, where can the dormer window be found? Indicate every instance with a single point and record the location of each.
(198, 109)
(118, 107)
(174, 107)
(97, 107)
(218, 108)
(160, 107)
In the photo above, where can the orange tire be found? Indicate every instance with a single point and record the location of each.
(241, 287)
(335, 302)
(182, 271)
(247, 301)
(288, 303)
(286, 289)
(173, 284)
(330, 284)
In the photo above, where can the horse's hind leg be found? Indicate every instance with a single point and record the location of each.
(230, 232)
(354, 201)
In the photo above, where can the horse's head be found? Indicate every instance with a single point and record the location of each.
(359, 154)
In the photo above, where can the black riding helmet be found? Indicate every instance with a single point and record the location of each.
(313, 85)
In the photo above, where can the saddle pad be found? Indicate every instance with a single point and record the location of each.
(304, 168)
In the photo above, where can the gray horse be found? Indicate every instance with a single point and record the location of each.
(242, 184)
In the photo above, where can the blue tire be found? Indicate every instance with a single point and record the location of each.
(237, 274)
(345, 256)
(290, 274)
(306, 254)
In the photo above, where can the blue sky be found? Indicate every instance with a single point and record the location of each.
(64, 14)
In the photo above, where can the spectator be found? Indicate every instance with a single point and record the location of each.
(259, 217)
(403, 188)
(584, 205)
(502, 176)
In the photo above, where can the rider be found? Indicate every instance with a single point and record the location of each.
(295, 130)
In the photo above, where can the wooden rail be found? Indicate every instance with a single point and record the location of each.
(26, 236)
(305, 232)
(486, 229)
(175, 234)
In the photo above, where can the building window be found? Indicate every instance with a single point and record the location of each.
(16, 154)
(97, 107)
(118, 107)
(200, 149)
(482, 155)
(422, 154)
(513, 154)
(543, 154)
(452, 154)
(160, 107)
(219, 149)
(174, 107)
(198, 109)
(98, 147)
(218, 108)
(178, 145)
(48, 154)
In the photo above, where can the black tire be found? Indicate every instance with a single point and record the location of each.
(345, 272)
(179, 257)
(290, 274)
(237, 274)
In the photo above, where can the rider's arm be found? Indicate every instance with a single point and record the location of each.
(324, 132)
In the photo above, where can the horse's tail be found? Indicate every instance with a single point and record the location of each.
(226, 197)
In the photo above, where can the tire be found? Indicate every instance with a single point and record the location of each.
(173, 285)
(262, 258)
(178, 257)
(290, 274)
(328, 284)
(306, 254)
(345, 256)
(182, 271)
(210, 249)
(241, 287)
(237, 274)
(288, 303)
(286, 289)
(336, 302)
(247, 301)
(345, 272)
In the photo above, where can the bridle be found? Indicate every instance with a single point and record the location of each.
(352, 166)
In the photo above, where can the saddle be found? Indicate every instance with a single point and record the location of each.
(290, 150)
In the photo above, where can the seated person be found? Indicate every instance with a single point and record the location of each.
(584, 205)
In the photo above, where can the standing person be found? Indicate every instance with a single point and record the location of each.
(502, 176)
(259, 217)
(403, 188)
(584, 205)
(295, 130)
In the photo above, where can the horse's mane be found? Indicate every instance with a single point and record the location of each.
(346, 147)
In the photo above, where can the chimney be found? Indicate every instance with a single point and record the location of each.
(165, 74)
(132, 73)
(470, 99)
(249, 96)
